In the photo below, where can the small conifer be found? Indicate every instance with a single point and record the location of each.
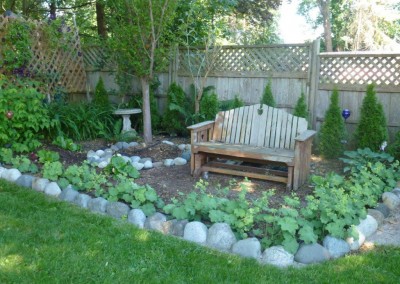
(372, 130)
(300, 108)
(100, 94)
(267, 97)
(332, 130)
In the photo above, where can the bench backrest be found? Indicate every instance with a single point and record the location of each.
(258, 125)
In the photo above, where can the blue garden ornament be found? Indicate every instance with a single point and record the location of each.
(346, 114)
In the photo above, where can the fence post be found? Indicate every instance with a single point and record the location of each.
(313, 79)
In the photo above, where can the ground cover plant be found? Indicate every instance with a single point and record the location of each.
(44, 240)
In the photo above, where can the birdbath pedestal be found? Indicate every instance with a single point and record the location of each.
(126, 113)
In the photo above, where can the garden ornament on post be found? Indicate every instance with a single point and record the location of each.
(346, 114)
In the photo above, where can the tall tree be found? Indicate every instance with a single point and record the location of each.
(139, 40)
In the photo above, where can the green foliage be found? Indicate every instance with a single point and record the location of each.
(47, 156)
(52, 170)
(357, 159)
(6, 155)
(332, 131)
(100, 94)
(300, 109)
(371, 131)
(89, 121)
(66, 143)
(209, 104)
(24, 165)
(23, 116)
(15, 50)
(267, 97)
(119, 167)
(178, 112)
(85, 178)
(231, 104)
(139, 196)
(394, 147)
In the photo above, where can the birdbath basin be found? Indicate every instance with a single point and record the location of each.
(126, 113)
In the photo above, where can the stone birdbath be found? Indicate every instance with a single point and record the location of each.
(126, 113)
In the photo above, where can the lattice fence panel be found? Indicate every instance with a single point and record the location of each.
(349, 69)
(57, 67)
(275, 58)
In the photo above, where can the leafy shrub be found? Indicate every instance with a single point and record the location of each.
(371, 131)
(332, 130)
(23, 116)
(178, 112)
(100, 94)
(66, 143)
(6, 155)
(300, 109)
(46, 156)
(209, 105)
(231, 104)
(119, 167)
(52, 170)
(24, 165)
(394, 147)
(267, 97)
(89, 121)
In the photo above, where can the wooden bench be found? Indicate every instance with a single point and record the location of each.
(254, 135)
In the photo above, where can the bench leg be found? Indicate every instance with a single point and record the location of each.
(199, 161)
(290, 178)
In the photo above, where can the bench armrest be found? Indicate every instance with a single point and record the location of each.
(305, 135)
(201, 126)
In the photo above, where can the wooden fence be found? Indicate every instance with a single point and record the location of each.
(244, 71)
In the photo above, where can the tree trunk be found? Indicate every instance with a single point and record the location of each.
(324, 6)
(147, 133)
(53, 9)
(100, 18)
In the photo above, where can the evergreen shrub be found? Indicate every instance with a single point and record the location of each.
(332, 130)
(231, 104)
(300, 108)
(100, 94)
(267, 97)
(394, 147)
(209, 106)
(371, 131)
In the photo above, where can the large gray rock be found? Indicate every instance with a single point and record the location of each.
(52, 189)
(396, 191)
(174, 227)
(383, 208)
(336, 247)
(195, 232)
(25, 181)
(2, 172)
(97, 205)
(12, 175)
(180, 161)
(69, 194)
(391, 200)
(378, 216)
(311, 253)
(367, 226)
(137, 218)
(117, 210)
(248, 248)
(168, 162)
(221, 237)
(39, 184)
(155, 222)
(277, 256)
(82, 200)
(186, 155)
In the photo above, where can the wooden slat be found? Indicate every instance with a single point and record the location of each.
(234, 126)
(278, 129)
(238, 125)
(243, 130)
(273, 128)
(302, 125)
(283, 129)
(226, 135)
(262, 118)
(248, 126)
(289, 129)
(253, 169)
(255, 125)
(218, 126)
(294, 132)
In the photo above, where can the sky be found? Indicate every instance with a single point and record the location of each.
(293, 27)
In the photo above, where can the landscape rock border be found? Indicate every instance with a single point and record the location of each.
(219, 235)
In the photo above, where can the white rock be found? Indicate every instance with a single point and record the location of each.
(220, 236)
(138, 166)
(168, 162)
(137, 217)
(143, 160)
(367, 226)
(100, 153)
(188, 147)
(12, 175)
(39, 184)
(135, 159)
(90, 154)
(180, 161)
(195, 232)
(391, 200)
(168, 142)
(277, 256)
(126, 159)
(182, 147)
(336, 247)
(133, 144)
(52, 189)
(356, 244)
(3, 172)
(102, 164)
(148, 165)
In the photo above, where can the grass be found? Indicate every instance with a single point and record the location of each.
(43, 240)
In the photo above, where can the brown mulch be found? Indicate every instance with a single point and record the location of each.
(170, 182)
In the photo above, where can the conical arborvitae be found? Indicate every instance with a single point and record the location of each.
(372, 129)
(332, 130)
(300, 108)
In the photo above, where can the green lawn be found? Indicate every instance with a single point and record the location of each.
(46, 241)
